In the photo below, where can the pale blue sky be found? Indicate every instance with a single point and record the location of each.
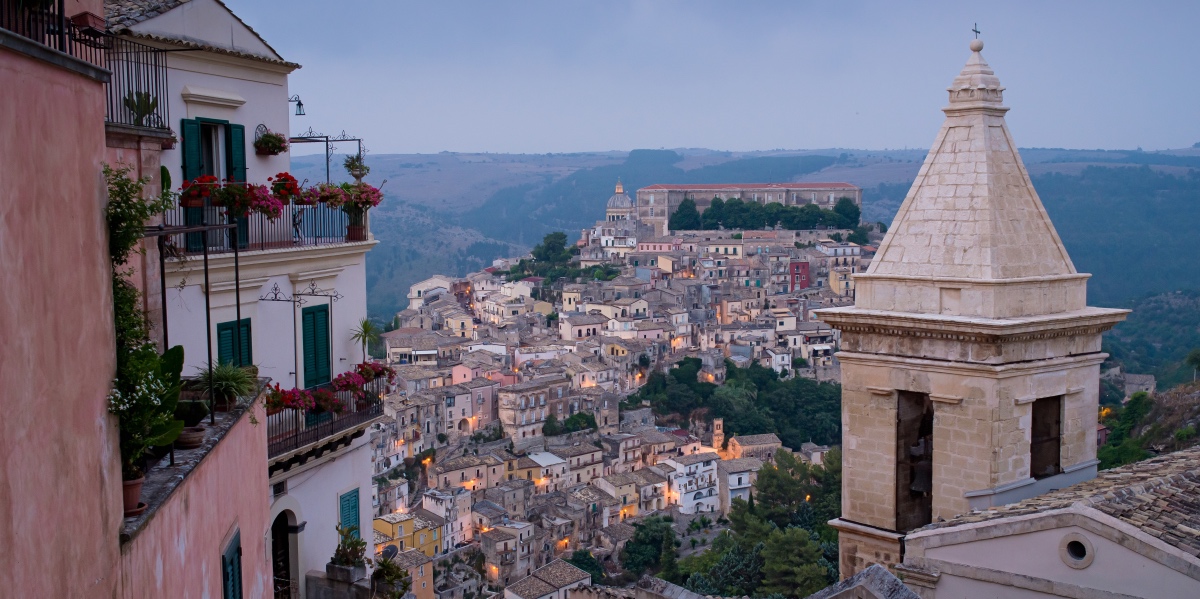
(565, 76)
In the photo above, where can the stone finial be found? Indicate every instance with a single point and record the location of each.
(977, 85)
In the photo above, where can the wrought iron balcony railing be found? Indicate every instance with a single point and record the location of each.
(137, 87)
(45, 22)
(299, 226)
(289, 430)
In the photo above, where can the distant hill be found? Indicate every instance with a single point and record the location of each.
(1157, 336)
(1130, 218)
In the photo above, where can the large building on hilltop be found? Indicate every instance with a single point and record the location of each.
(970, 359)
(655, 204)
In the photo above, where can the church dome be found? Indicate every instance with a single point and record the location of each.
(620, 200)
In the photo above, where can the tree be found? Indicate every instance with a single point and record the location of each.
(686, 217)
(1193, 360)
(859, 236)
(739, 571)
(365, 334)
(584, 560)
(790, 564)
(552, 249)
(644, 550)
(848, 210)
(551, 428)
(714, 216)
(669, 567)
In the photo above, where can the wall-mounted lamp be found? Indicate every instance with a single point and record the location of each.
(299, 104)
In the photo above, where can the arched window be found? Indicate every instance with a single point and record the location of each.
(699, 495)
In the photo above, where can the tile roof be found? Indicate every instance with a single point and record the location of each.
(619, 531)
(530, 587)
(120, 15)
(411, 558)
(764, 439)
(560, 574)
(695, 458)
(740, 465)
(1160, 496)
(496, 534)
(875, 582)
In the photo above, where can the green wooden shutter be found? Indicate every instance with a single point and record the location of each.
(227, 341)
(231, 569)
(235, 146)
(348, 510)
(190, 130)
(315, 327)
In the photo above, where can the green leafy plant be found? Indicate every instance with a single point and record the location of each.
(225, 381)
(394, 578)
(351, 549)
(144, 397)
(356, 163)
(271, 143)
(141, 105)
(365, 334)
(191, 412)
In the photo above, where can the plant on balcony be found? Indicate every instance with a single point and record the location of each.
(284, 187)
(270, 144)
(324, 401)
(328, 193)
(240, 199)
(141, 105)
(356, 166)
(358, 199)
(194, 192)
(278, 399)
(390, 580)
(376, 370)
(192, 413)
(349, 561)
(352, 383)
(365, 334)
(225, 383)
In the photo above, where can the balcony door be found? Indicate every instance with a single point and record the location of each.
(315, 328)
(218, 148)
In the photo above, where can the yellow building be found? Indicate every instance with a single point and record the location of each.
(841, 281)
(409, 531)
(420, 572)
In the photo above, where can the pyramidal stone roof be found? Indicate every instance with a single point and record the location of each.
(972, 212)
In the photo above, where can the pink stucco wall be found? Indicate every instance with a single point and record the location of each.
(60, 477)
(178, 552)
(143, 155)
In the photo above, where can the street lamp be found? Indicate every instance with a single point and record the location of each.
(299, 104)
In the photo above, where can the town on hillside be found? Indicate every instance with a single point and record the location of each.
(718, 390)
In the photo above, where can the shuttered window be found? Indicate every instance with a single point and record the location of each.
(348, 510)
(234, 343)
(315, 328)
(231, 569)
(195, 163)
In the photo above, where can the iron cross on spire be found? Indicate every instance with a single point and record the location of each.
(976, 30)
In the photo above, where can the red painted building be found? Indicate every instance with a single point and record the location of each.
(798, 276)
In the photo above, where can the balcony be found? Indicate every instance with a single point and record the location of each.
(299, 226)
(290, 432)
(46, 23)
(137, 87)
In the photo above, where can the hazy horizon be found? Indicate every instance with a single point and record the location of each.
(550, 77)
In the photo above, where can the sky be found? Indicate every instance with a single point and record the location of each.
(534, 76)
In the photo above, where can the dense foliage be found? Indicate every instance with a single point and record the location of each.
(1157, 337)
(645, 550)
(576, 422)
(752, 401)
(1123, 446)
(552, 261)
(778, 542)
(736, 214)
(584, 560)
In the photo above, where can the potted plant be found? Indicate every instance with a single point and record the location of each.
(194, 192)
(357, 199)
(143, 398)
(278, 399)
(356, 166)
(349, 562)
(239, 199)
(270, 143)
(284, 187)
(225, 383)
(328, 193)
(192, 413)
(390, 580)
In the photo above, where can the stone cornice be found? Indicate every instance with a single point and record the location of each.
(267, 263)
(1089, 321)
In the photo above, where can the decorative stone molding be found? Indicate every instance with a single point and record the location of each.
(214, 97)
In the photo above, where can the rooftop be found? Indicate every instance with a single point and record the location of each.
(1160, 496)
(740, 186)
(531, 587)
(764, 439)
(560, 574)
(695, 458)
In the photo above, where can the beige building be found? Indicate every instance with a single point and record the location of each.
(970, 359)
(656, 203)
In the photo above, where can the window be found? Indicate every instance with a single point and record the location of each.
(914, 460)
(1045, 447)
(231, 568)
(234, 343)
(348, 510)
(217, 148)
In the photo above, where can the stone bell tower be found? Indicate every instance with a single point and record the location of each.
(970, 359)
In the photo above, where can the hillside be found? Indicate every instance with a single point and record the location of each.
(1157, 336)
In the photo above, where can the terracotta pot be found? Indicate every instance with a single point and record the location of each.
(222, 403)
(191, 201)
(356, 233)
(191, 437)
(132, 494)
(265, 152)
